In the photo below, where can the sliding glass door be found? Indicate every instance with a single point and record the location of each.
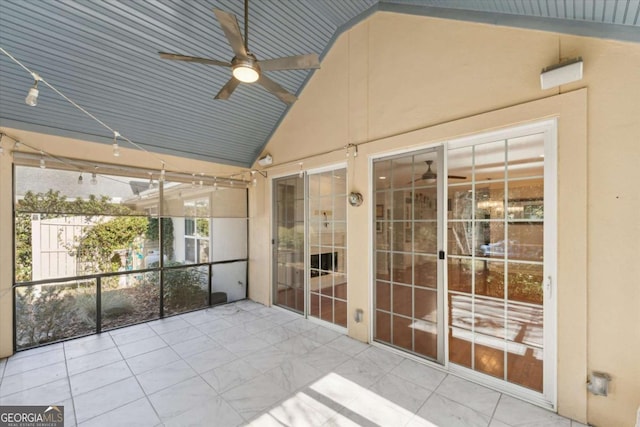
(464, 257)
(289, 243)
(408, 288)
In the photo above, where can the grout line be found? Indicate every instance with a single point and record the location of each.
(66, 368)
(495, 408)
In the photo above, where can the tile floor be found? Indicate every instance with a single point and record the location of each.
(246, 364)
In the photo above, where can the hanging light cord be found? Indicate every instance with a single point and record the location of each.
(38, 78)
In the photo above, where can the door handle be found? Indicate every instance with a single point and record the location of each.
(549, 286)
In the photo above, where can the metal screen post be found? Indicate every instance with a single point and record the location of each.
(98, 305)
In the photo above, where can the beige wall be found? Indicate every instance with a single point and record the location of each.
(397, 81)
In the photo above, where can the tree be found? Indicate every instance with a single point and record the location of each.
(48, 205)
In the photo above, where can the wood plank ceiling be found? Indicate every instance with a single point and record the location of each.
(103, 55)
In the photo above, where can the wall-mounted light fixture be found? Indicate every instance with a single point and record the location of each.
(598, 383)
(358, 315)
(562, 73)
(265, 160)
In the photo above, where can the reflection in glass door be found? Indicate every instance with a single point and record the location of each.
(407, 238)
(328, 246)
(496, 222)
(288, 281)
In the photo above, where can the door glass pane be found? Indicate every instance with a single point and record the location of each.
(406, 239)
(495, 264)
(328, 246)
(289, 248)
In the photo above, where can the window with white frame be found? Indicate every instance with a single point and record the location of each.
(196, 230)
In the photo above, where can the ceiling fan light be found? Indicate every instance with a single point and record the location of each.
(245, 73)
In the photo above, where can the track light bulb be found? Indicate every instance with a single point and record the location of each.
(42, 163)
(116, 150)
(254, 182)
(94, 179)
(32, 97)
(80, 179)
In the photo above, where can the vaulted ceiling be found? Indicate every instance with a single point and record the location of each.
(103, 55)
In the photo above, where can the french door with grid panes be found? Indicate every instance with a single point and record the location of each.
(310, 245)
(494, 221)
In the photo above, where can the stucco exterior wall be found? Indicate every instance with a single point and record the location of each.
(397, 81)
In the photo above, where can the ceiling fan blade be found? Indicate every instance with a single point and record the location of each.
(228, 88)
(456, 177)
(178, 57)
(298, 62)
(277, 90)
(229, 24)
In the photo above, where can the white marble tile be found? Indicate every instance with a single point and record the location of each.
(181, 397)
(419, 373)
(212, 412)
(168, 324)
(200, 317)
(516, 412)
(50, 393)
(165, 376)
(229, 335)
(107, 398)
(445, 412)
(282, 316)
(575, 423)
(321, 334)
(138, 413)
(248, 305)
(32, 378)
(215, 326)
(38, 350)
(498, 423)
(255, 396)
(207, 360)
(265, 420)
(384, 359)
(475, 396)
(300, 325)
(277, 334)
(230, 375)
(403, 393)
(301, 410)
(348, 345)
(340, 420)
(140, 347)
(136, 334)
(194, 346)
(247, 345)
(241, 317)
(266, 359)
(151, 360)
(363, 373)
(69, 413)
(324, 358)
(293, 374)
(225, 310)
(85, 346)
(263, 312)
(23, 364)
(371, 408)
(556, 422)
(298, 345)
(259, 325)
(99, 377)
(93, 360)
(180, 335)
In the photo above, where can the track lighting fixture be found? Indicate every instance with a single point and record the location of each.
(94, 179)
(80, 179)
(32, 97)
(301, 173)
(42, 163)
(150, 181)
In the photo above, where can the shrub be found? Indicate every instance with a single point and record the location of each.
(114, 304)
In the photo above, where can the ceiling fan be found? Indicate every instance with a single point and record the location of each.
(431, 175)
(244, 65)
